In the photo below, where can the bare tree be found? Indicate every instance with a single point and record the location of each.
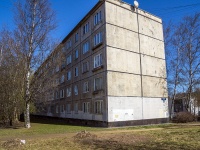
(10, 79)
(34, 20)
(191, 54)
(183, 57)
(173, 48)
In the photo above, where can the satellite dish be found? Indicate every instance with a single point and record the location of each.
(136, 4)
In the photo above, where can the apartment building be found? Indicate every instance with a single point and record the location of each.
(109, 70)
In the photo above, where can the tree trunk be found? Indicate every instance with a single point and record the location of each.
(27, 100)
(27, 116)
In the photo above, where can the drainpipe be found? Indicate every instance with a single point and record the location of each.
(136, 5)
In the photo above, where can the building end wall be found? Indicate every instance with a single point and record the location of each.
(136, 108)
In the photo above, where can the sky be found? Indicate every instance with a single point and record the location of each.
(70, 12)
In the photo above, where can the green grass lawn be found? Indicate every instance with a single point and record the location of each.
(61, 136)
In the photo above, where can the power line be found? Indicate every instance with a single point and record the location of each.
(177, 7)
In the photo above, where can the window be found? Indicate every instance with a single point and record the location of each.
(57, 68)
(97, 60)
(63, 49)
(62, 108)
(76, 37)
(85, 67)
(68, 108)
(97, 84)
(69, 44)
(85, 47)
(97, 18)
(69, 75)
(47, 65)
(86, 107)
(57, 109)
(85, 87)
(69, 59)
(75, 90)
(86, 28)
(57, 81)
(76, 54)
(76, 71)
(57, 95)
(76, 107)
(62, 79)
(52, 96)
(97, 38)
(69, 92)
(62, 93)
(98, 107)
(63, 66)
(49, 109)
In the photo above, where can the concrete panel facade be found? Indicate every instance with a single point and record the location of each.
(152, 66)
(128, 61)
(150, 27)
(154, 87)
(122, 38)
(116, 15)
(123, 84)
(123, 61)
(152, 47)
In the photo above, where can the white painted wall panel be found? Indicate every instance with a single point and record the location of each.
(136, 108)
(155, 108)
(124, 108)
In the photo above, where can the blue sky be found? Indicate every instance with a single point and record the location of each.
(70, 12)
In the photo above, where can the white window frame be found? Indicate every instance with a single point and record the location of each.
(52, 96)
(97, 18)
(69, 44)
(98, 38)
(57, 81)
(100, 86)
(62, 108)
(86, 47)
(62, 79)
(86, 28)
(69, 91)
(57, 109)
(76, 71)
(75, 89)
(98, 107)
(86, 87)
(76, 37)
(69, 75)
(86, 107)
(62, 93)
(83, 67)
(98, 60)
(69, 59)
(57, 68)
(57, 95)
(76, 54)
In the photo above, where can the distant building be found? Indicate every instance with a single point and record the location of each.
(109, 70)
(180, 105)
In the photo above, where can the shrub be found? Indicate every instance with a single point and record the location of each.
(183, 117)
